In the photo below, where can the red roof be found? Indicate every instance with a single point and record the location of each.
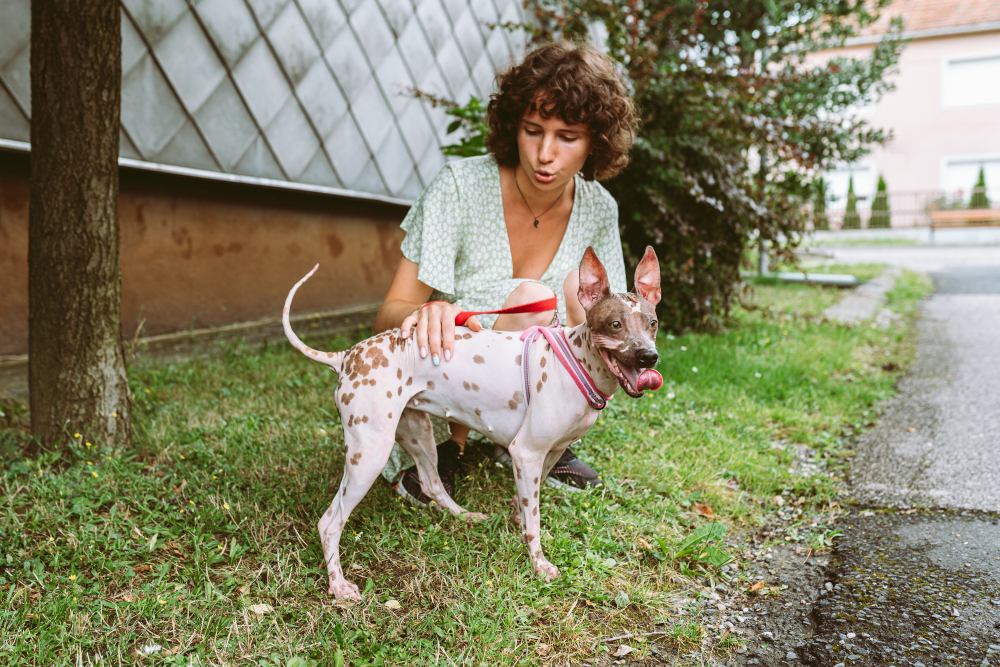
(931, 14)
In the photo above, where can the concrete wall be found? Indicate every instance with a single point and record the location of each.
(926, 133)
(198, 255)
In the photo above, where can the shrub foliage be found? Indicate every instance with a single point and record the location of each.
(737, 124)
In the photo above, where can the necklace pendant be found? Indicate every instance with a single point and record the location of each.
(536, 224)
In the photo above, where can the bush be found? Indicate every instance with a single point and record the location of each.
(851, 218)
(736, 128)
(880, 218)
(979, 198)
(821, 220)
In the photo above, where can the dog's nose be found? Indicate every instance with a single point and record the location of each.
(647, 358)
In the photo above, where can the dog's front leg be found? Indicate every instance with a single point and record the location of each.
(529, 464)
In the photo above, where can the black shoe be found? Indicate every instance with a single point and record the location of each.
(448, 459)
(570, 473)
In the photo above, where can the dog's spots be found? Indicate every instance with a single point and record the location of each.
(346, 398)
(409, 381)
(329, 355)
(536, 490)
(364, 419)
(518, 471)
(578, 342)
(543, 362)
(479, 359)
(357, 383)
(355, 458)
(466, 386)
(399, 373)
(538, 387)
(430, 384)
(475, 387)
(413, 441)
(529, 538)
(545, 377)
(445, 376)
(517, 360)
(512, 404)
(536, 482)
(467, 336)
(399, 392)
(524, 501)
(548, 348)
(390, 415)
(479, 413)
(534, 511)
(350, 422)
(388, 394)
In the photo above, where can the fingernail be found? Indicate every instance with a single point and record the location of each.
(423, 352)
(435, 360)
(447, 355)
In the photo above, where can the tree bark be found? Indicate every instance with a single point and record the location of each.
(76, 366)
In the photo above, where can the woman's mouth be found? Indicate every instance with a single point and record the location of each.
(544, 177)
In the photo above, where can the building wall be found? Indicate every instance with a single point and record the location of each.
(928, 135)
(197, 254)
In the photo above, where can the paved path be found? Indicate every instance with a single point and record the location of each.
(918, 589)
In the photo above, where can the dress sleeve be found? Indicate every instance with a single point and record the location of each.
(431, 228)
(608, 246)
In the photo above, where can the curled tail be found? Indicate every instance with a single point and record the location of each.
(334, 360)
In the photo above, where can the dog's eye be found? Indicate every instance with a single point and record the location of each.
(652, 324)
(615, 326)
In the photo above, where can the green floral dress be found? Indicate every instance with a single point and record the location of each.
(457, 235)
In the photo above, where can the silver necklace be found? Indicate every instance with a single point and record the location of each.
(536, 217)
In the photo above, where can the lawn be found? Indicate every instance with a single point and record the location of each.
(199, 545)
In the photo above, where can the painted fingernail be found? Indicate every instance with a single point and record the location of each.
(435, 360)
(423, 352)
(447, 355)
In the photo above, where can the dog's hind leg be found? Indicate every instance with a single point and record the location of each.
(367, 451)
(416, 435)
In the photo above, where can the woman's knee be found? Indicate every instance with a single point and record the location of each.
(526, 292)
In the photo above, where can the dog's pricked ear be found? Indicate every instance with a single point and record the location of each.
(594, 284)
(647, 277)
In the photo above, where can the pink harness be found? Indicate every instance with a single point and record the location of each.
(557, 340)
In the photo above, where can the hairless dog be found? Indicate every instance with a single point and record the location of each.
(386, 392)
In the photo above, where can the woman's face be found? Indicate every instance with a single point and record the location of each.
(551, 152)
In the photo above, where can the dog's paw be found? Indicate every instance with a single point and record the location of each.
(545, 569)
(344, 590)
(474, 516)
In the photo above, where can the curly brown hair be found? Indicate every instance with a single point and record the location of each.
(577, 83)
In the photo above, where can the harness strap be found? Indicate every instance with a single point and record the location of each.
(533, 307)
(560, 346)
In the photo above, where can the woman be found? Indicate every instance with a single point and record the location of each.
(510, 228)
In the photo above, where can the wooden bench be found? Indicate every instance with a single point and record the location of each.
(963, 217)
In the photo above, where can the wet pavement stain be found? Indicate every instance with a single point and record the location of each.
(920, 589)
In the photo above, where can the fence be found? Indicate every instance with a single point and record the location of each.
(917, 208)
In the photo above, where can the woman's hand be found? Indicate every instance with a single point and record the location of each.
(435, 329)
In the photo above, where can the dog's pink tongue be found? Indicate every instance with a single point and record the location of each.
(649, 379)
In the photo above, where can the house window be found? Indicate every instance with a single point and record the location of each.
(960, 175)
(838, 181)
(971, 82)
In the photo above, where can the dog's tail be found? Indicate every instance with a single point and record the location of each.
(334, 360)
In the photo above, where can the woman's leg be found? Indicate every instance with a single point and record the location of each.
(575, 314)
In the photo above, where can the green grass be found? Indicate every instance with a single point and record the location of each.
(176, 542)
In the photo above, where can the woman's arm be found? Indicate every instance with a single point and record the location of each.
(435, 323)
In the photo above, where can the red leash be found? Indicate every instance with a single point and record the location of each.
(533, 307)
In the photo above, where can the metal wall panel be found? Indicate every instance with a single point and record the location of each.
(312, 92)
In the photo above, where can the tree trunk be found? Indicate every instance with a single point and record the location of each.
(76, 365)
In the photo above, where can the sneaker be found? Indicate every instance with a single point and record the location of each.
(569, 473)
(408, 486)
(572, 474)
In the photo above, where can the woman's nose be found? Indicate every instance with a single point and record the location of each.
(547, 150)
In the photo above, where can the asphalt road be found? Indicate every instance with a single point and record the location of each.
(919, 588)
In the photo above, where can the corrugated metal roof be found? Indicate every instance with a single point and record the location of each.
(308, 92)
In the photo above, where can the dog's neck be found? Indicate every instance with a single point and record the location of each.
(581, 343)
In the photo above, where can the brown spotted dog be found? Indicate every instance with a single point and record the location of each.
(386, 392)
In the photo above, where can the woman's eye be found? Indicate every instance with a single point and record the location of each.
(616, 325)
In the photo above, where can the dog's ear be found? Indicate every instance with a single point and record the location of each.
(594, 284)
(647, 277)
